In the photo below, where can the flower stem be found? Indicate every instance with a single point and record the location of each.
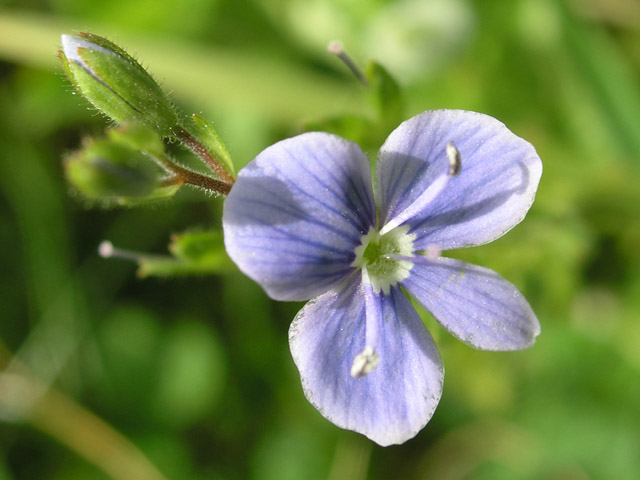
(352, 458)
(184, 175)
(201, 151)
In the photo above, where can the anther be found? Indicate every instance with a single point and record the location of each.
(455, 163)
(335, 48)
(364, 363)
(438, 185)
(432, 252)
(107, 250)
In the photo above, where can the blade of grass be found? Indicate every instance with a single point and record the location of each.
(24, 398)
(610, 77)
(211, 77)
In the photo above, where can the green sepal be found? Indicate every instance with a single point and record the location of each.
(115, 83)
(109, 45)
(191, 253)
(162, 192)
(67, 70)
(137, 136)
(212, 141)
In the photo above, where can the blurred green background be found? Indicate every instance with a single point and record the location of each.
(194, 373)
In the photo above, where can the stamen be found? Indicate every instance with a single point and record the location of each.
(335, 48)
(419, 259)
(107, 250)
(455, 165)
(432, 252)
(418, 204)
(364, 363)
(367, 360)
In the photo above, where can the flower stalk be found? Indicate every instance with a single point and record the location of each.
(184, 175)
(205, 154)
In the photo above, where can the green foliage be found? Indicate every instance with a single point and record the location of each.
(191, 375)
(354, 127)
(386, 97)
(195, 372)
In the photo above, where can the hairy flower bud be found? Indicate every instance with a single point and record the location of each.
(115, 83)
(111, 171)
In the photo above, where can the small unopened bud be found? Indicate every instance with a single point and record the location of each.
(115, 83)
(113, 173)
(364, 363)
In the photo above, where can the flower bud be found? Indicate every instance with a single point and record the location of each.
(115, 83)
(112, 172)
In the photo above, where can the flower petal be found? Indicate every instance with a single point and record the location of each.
(397, 398)
(475, 304)
(495, 189)
(296, 213)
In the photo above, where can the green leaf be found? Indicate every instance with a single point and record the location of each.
(611, 77)
(352, 127)
(385, 95)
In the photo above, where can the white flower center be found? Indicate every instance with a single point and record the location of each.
(374, 253)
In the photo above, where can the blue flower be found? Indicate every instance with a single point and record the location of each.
(302, 221)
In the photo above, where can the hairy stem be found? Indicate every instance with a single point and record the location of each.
(201, 151)
(184, 175)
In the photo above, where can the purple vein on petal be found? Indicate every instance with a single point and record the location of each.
(366, 204)
(455, 272)
(333, 229)
(347, 254)
(474, 303)
(400, 171)
(348, 207)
